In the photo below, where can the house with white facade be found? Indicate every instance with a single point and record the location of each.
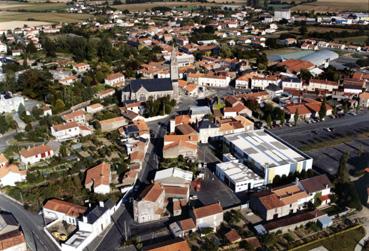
(322, 85)
(69, 130)
(317, 187)
(209, 80)
(115, 79)
(35, 154)
(10, 174)
(209, 216)
(81, 67)
(261, 83)
(94, 108)
(10, 103)
(77, 116)
(55, 209)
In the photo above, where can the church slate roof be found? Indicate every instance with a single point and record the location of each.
(151, 85)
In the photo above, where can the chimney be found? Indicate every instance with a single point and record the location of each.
(172, 126)
(101, 203)
(84, 218)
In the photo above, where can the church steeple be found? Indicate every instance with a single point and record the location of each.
(174, 72)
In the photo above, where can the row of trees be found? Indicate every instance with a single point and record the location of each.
(160, 106)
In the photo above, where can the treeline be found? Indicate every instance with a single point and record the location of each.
(331, 35)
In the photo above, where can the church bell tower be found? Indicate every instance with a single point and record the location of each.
(174, 73)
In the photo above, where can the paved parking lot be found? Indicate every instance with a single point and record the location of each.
(326, 158)
(214, 190)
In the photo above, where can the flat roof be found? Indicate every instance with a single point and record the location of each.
(265, 149)
(238, 172)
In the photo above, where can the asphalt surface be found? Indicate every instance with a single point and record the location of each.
(326, 159)
(31, 224)
(305, 134)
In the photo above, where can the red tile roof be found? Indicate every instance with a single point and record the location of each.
(34, 151)
(152, 192)
(208, 210)
(65, 207)
(99, 175)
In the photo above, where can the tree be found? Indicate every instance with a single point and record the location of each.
(323, 110)
(283, 118)
(59, 106)
(296, 116)
(303, 29)
(342, 174)
(31, 48)
(305, 74)
(269, 120)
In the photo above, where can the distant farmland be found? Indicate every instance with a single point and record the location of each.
(333, 6)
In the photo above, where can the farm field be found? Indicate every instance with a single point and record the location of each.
(42, 16)
(333, 6)
(36, 7)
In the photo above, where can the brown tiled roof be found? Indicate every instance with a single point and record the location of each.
(111, 121)
(11, 169)
(316, 183)
(11, 239)
(175, 190)
(186, 129)
(99, 175)
(65, 126)
(152, 192)
(174, 138)
(181, 144)
(187, 224)
(271, 201)
(208, 210)
(292, 219)
(232, 236)
(65, 207)
(114, 76)
(182, 119)
(294, 65)
(176, 246)
(35, 150)
(72, 115)
(301, 109)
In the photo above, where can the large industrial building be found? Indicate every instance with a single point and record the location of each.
(238, 176)
(266, 154)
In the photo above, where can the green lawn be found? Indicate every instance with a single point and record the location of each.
(345, 241)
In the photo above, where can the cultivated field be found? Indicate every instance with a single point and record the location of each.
(42, 16)
(16, 6)
(333, 6)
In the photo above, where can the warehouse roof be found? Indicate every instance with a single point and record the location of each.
(265, 149)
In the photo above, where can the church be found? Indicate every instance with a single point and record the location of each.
(142, 89)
